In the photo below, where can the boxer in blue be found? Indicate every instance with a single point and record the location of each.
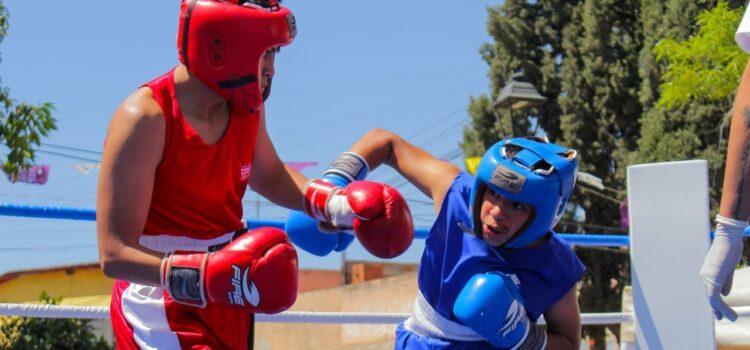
(492, 264)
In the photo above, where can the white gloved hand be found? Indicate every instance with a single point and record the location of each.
(721, 261)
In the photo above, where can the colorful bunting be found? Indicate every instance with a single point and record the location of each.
(85, 169)
(300, 165)
(36, 174)
(472, 163)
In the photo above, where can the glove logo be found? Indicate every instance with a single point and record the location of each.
(516, 314)
(240, 288)
(251, 294)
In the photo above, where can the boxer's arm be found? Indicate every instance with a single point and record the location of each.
(432, 176)
(270, 177)
(564, 323)
(735, 198)
(132, 151)
(726, 249)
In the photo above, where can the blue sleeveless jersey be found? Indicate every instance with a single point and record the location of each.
(452, 256)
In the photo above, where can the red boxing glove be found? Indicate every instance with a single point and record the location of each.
(377, 212)
(256, 272)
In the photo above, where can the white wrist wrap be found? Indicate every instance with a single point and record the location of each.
(340, 211)
(349, 165)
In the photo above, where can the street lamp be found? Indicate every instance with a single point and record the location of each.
(517, 95)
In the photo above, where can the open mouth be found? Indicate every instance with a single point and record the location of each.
(494, 231)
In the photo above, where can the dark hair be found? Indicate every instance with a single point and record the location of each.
(511, 150)
(269, 4)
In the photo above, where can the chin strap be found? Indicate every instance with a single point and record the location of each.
(267, 90)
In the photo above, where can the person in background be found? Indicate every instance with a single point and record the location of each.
(734, 209)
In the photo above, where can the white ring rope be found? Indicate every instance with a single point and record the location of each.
(99, 312)
(54, 311)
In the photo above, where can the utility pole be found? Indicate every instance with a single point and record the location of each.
(257, 206)
(343, 267)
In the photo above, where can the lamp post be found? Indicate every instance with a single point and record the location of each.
(517, 95)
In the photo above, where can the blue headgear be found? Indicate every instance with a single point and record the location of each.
(538, 174)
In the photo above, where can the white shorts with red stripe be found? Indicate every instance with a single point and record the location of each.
(145, 317)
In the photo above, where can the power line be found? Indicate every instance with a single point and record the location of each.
(444, 132)
(68, 156)
(46, 198)
(65, 154)
(436, 123)
(398, 110)
(601, 195)
(71, 148)
(374, 82)
(403, 181)
(72, 246)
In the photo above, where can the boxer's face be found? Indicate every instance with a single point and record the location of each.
(502, 217)
(266, 67)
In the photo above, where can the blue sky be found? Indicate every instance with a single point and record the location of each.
(410, 68)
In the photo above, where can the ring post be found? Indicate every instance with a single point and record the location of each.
(669, 225)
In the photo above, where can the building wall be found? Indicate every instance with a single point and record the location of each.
(318, 279)
(320, 290)
(82, 285)
(392, 295)
(76, 284)
(87, 284)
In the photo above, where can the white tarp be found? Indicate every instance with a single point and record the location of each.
(736, 335)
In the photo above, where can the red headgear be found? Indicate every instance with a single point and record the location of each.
(222, 43)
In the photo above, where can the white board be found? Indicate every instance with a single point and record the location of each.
(669, 238)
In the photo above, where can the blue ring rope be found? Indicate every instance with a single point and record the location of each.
(55, 212)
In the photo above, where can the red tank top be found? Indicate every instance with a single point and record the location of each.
(198, 187)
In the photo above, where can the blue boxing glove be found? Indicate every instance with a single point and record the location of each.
(492, 306)
(304, 232)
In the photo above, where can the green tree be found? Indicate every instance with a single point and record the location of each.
(25, 333)
(708, 65)
(527, 38)
(689, 47)
(690, 119)
(600, 112)
(22, 125)
(627, 82)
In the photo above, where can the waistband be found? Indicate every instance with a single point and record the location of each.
(426, 321)
(169, 243)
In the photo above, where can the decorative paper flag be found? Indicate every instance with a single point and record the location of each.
(472, 163)
(624, 219)
(36, 174)
(301, 165)
(85, 169)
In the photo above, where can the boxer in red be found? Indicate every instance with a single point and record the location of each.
(179, 154)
